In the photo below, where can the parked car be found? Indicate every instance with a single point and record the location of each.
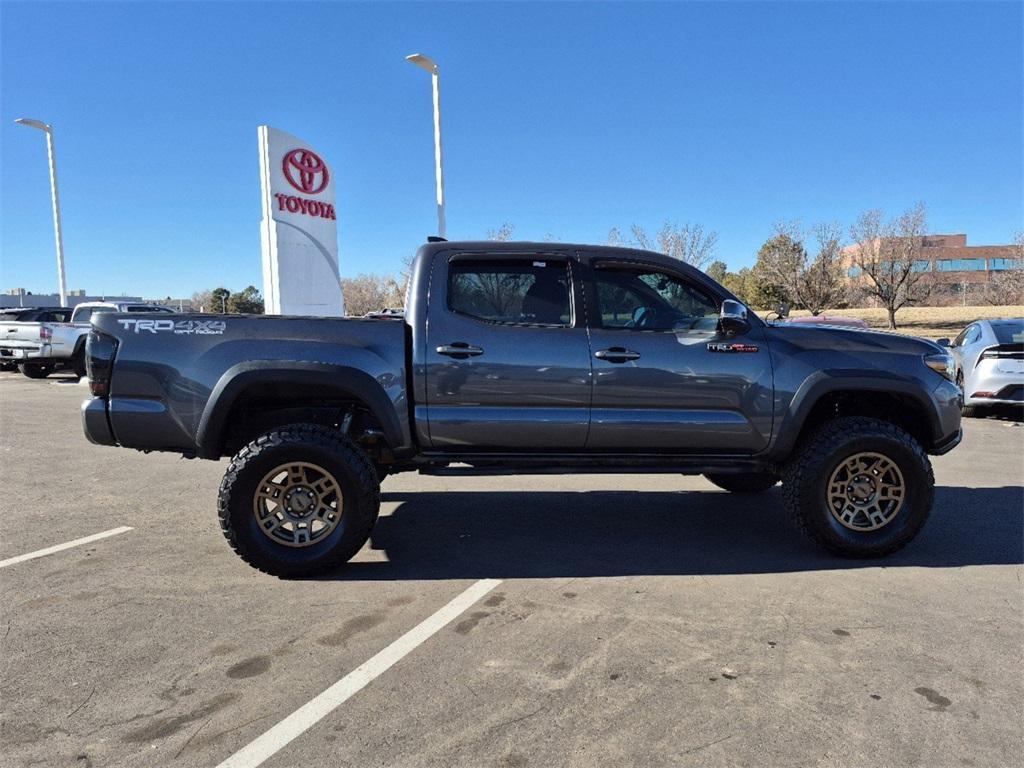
(43, 340)
(523, 358)
(989, 356)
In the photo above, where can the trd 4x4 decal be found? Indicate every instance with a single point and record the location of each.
(197, 327)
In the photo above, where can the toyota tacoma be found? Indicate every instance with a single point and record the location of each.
(529, 358)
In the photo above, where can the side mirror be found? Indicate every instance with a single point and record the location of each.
(943, 342)
(732, 318)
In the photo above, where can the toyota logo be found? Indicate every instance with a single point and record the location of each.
(301, 169)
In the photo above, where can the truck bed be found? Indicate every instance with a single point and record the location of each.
(176, 379)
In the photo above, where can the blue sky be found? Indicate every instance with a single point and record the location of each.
(563, 119)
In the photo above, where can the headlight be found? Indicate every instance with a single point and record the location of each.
(942, 363)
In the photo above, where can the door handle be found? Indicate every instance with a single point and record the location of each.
(616, 355)
(460, 350)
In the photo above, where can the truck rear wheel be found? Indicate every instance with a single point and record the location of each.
(298, 501)
(36, 370)
(859, 487)
(744, 482)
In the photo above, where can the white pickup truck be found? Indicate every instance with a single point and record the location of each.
(40, 340)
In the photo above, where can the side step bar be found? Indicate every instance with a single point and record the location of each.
(562, 465)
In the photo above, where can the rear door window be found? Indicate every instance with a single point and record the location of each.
(529, 291)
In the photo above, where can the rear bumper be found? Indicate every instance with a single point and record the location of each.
(95, 422)
(23, 353)
(1006, 387)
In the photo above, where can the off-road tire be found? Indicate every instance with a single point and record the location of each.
(35, 370)
(806, 476)
(745, 482)
(319, 445)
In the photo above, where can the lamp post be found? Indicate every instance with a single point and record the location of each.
(55, 197)
(427, 63)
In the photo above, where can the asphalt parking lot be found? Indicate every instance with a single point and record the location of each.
(637, 620)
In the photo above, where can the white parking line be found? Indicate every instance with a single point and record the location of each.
(309, 714)
(61, 547)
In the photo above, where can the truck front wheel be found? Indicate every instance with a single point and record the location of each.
(859, 487)
(299, 500)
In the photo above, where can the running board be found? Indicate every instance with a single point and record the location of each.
(465, 466)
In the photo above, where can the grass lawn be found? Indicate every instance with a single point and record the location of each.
(930, 322)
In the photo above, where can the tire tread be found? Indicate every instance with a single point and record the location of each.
(305, 434)
(806, 465)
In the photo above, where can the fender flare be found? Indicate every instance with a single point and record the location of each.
(344, 380)
(822, 383)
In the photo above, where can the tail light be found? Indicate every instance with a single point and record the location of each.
(99, 361)
(45, 333)
(1003, 352)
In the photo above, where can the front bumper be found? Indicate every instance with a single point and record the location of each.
(95, 422)
(947, 445)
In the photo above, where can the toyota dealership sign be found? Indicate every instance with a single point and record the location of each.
(299, 233)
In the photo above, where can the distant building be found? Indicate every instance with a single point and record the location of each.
(957, 270)
(178, 305)
(19, 297)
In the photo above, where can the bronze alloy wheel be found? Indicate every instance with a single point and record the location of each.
(866, 491)
(297, 504)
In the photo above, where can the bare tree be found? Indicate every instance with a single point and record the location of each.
(615, 237)
(371, 293)
(689, 243)
(202, 301)
(502, 234)
(1007, 287)
(888, 255)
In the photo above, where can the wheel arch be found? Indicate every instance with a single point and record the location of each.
(828, 395)
(288, 386)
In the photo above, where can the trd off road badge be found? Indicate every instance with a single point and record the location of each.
(729, 347)
(186, 327)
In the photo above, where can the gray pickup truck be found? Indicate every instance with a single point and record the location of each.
(529, 358)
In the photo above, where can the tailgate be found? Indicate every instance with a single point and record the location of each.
(21, 336)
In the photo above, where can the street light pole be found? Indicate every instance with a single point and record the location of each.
(55, 198)
(427, 63)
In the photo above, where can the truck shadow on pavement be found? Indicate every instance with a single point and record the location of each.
(623, 533)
